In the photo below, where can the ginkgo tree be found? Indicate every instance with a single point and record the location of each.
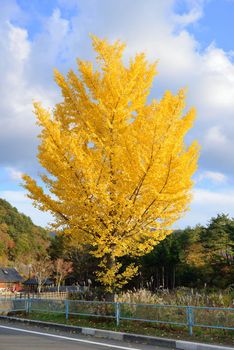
(117, 170)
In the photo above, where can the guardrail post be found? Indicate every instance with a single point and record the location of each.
(28, 305)
(190, 319)
(67, 308)
(117, 313)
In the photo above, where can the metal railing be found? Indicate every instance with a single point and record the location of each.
(187, 316)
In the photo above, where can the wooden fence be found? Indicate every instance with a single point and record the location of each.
(43, 295)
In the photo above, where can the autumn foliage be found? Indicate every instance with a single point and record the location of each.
(118, 173)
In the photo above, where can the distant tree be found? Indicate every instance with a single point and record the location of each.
(61, 269)
(160, 265)
(6, 244)
(194, 253)
(219, 239)
(218, 242)
(84, 264)
(42, 269)
(59, 247)
(193, 257)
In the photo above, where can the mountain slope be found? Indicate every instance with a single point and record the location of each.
(20, 239)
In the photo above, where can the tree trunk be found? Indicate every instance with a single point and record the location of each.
(39, 287)
(163, 283)
(110, 296)
(173, 277)
(167, 278)
(58, 285)
(157, 278)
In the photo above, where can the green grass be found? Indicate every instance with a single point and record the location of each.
(213, 336)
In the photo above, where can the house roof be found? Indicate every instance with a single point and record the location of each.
(9, 275)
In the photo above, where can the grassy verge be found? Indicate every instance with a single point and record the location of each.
(213, 336)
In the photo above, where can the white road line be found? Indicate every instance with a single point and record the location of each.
(68, 338)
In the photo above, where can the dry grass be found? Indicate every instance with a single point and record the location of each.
(180, 296)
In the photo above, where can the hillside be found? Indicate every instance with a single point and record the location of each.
(20, 239)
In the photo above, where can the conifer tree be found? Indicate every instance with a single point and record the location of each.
(118, 173)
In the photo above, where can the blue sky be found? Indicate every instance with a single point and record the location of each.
(193, 40)
(215, 25)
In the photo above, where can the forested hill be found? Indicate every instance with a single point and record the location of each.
(194, 257)
(20, 239)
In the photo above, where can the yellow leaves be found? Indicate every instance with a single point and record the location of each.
(118, 171)
(59, 78)
(43, 116)
(112, 279)
(107, 54)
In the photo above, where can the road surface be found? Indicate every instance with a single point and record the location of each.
(18, 337)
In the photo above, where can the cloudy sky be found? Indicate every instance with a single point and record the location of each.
(193, 41)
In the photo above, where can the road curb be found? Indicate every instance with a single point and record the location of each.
(128, 337)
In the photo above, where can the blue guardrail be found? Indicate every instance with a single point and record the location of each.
(188, 316)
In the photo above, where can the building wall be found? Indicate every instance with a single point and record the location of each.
(3, 285)
(11, 286)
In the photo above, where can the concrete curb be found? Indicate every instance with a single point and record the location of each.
(128, 337)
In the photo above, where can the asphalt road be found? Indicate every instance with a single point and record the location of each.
(15, 337)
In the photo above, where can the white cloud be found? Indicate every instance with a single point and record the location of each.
(14, 196)
(188, 18)
(18, 43)
(215, 138)
(22, 66)
(217, 82)
(207, 204)
(193, 15)
(14, 173)
(214, 176)
(217, 199)
(217, 149)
